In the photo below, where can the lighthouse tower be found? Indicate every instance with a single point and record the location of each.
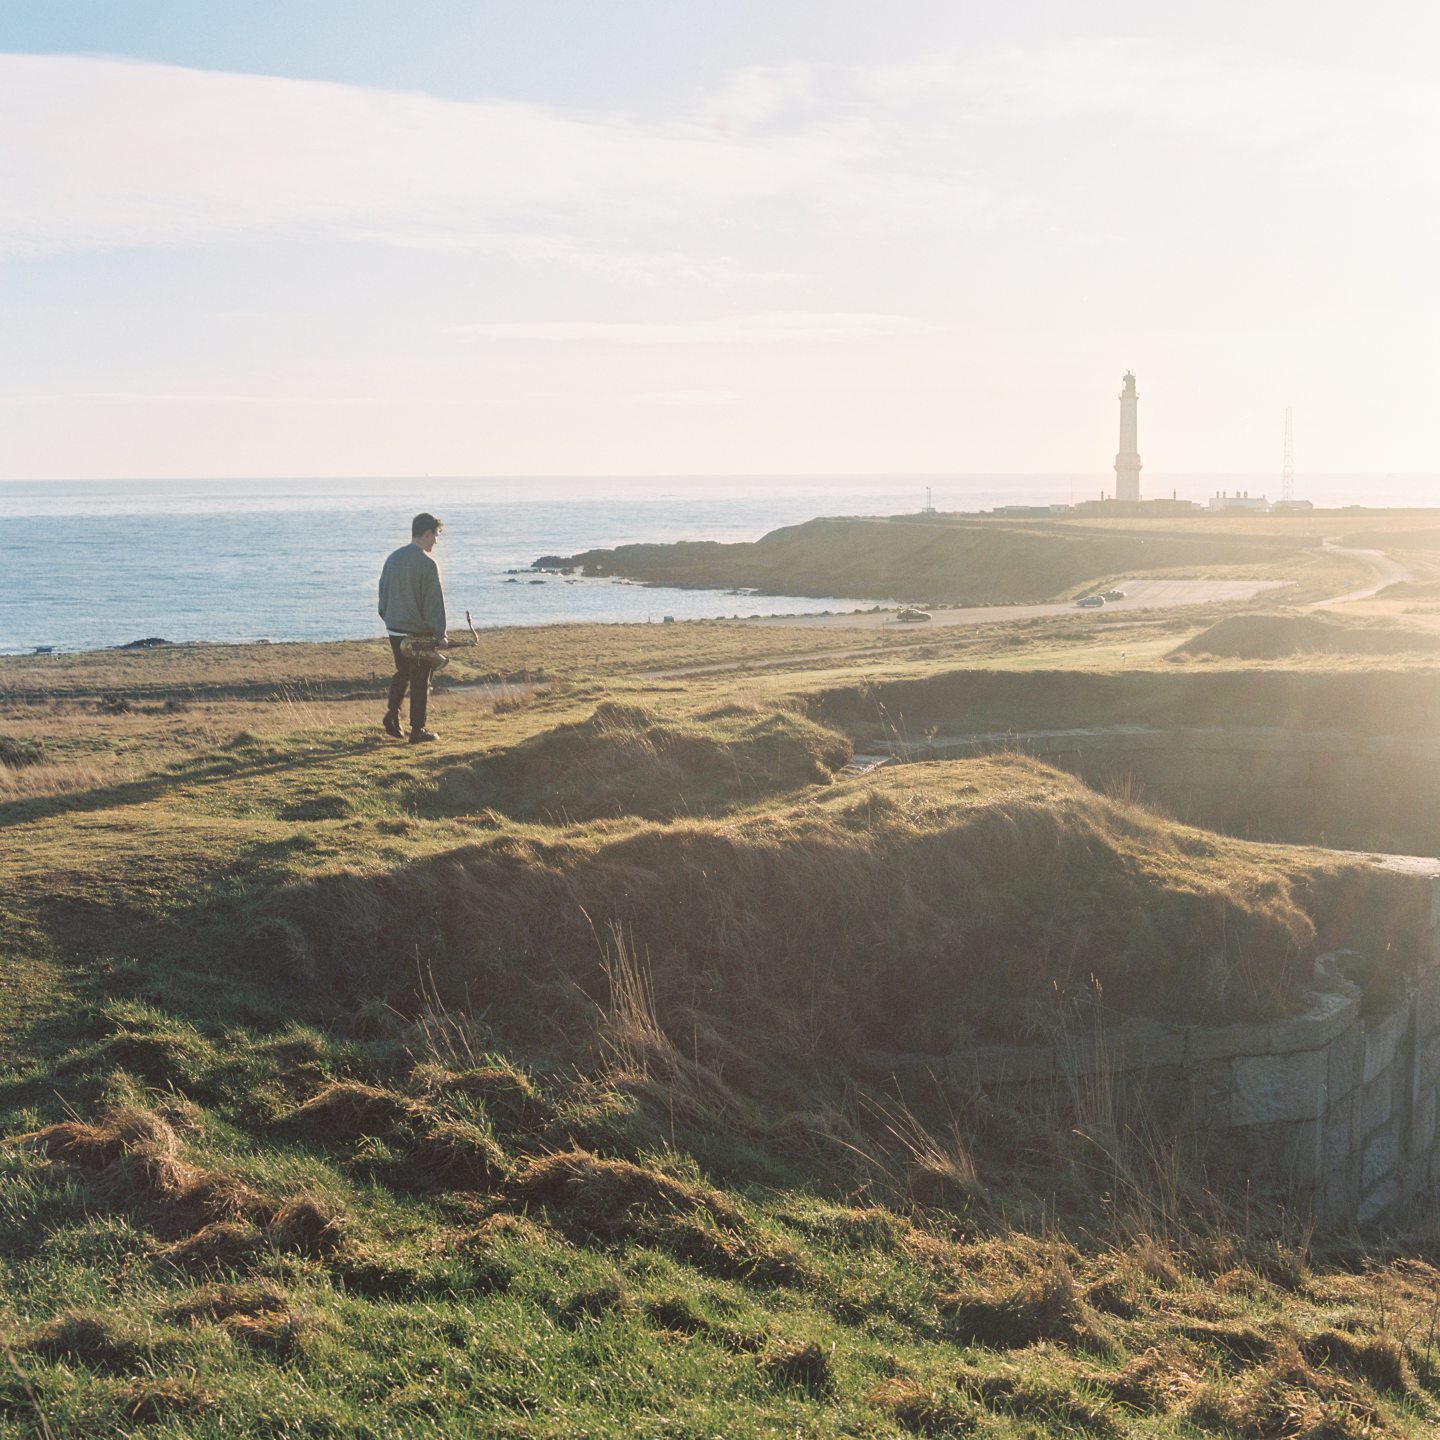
(1127, 462)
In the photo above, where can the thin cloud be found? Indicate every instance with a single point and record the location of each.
(1224, 94)
(777, 328)
(187, 397)
(602, 259)
(105, 153)
(699, 399)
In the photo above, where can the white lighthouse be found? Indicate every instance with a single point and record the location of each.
(1127, 462)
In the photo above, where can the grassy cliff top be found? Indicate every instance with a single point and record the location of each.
(523, 1084)
(953, 559)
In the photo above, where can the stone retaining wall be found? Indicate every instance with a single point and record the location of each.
(1333, 1109)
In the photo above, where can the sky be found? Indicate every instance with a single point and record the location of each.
(599, 237)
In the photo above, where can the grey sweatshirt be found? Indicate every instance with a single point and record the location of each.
(411, 600)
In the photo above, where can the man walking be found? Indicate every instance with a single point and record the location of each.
(412, 605)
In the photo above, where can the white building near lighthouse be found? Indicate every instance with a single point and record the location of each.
(1127, 462)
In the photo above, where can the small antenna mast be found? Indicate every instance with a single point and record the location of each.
(1287, 474)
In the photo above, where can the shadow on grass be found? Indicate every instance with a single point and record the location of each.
(247, 759)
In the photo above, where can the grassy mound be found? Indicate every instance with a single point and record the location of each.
(625, 760)
(1273, 637)
(905, 910)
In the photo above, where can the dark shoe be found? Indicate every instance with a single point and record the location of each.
(391, 722)
(417, 736)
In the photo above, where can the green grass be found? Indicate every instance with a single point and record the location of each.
(516, 1086)
(572, 1294)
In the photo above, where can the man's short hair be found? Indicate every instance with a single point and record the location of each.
(423, 522)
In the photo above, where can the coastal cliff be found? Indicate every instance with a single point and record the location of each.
(938, 560)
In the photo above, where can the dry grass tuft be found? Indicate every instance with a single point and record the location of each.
(261, 1316)
(86, 1337)
(211, 1195)
(589, 1197)
(1052, 1403)
(441, 1151)
(150, 1399)
(222, 1301)
(1287, 1397)
(678, 1315)
(347, 1110)
(310, 1222)
(803, 1365)
(1379, 1359)
(639, 1055)
(130, 1159)
(1046, 1304)
(511, 1100)
(458, 1154)
(221, 1222)
(224, 1245)
(943, 1258)
(277, 1333)
(864, 1228)
(938, 1169)
(594, 1303)
(613, 1199)
(1239, 1342)
(496, 1229)
(1126, 1276)
(1161, 1379)
(41, 779)
(921, 1411)
(95, 1147)
(727, 1253)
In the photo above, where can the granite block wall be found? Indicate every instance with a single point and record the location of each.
(1333, 1109)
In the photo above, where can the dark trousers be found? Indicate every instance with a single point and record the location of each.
(416, 676)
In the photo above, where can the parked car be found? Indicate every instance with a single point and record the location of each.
(1089, 602)
(1114, 595)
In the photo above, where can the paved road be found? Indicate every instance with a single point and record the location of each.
(1140, 595)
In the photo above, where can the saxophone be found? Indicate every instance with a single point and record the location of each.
(424, 650)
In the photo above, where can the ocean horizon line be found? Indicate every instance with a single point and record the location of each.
(1154, 478)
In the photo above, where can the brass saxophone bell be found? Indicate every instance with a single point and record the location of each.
(422, 650)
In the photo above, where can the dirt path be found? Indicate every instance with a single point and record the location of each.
(1140, 595)
(1388, 571)
(494, 690)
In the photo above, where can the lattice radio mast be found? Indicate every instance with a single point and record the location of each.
(1287, 474)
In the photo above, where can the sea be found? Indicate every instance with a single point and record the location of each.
(87, 565)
